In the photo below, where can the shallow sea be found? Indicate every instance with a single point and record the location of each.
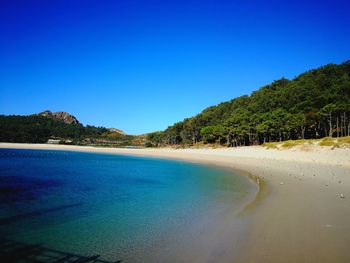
(120, 207)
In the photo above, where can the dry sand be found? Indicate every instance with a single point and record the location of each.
(298, 217)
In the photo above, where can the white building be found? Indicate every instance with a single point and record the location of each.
(53, 141)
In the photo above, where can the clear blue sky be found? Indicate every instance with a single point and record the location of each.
(143, 65)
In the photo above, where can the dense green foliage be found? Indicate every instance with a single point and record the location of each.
(313, 105)
(38, 129)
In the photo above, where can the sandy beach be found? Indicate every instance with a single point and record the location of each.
(299, 216)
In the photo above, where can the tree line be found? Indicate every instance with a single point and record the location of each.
(38, 129)
(315, 104)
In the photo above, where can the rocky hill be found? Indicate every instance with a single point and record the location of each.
(114, 130)
(60, 115)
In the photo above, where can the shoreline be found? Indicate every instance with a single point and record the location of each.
(300, 219)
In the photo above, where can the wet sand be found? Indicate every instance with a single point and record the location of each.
(299, 216)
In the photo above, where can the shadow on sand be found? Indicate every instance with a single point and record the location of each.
(18, 252)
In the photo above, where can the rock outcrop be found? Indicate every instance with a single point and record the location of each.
(60, 115)
(115, 130)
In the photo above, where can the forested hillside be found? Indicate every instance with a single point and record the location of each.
(40, 128)
(313, 105)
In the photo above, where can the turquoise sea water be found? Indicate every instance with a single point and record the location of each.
(120, 207)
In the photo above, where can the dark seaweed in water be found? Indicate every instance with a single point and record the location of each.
(18, 188)
(13, 219)
(13, 251)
